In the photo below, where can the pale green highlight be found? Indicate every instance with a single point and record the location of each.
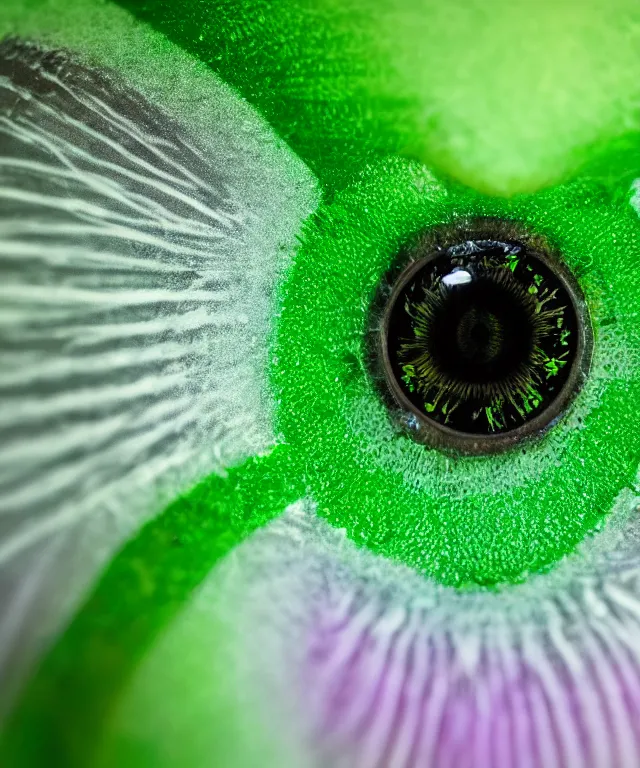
(63, 712)
(188, 704)
(503, 96)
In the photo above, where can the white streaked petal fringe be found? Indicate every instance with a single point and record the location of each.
(361, 663)
(135, 283)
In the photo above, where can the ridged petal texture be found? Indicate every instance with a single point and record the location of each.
(349, 660)
(137, 268)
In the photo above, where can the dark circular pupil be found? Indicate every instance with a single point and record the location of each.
(480, 332)
(480, 338)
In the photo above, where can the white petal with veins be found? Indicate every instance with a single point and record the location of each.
(351, 660)
(136, 268)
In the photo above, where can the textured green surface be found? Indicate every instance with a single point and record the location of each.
(64, 709)
(501, 95)
(482, 520)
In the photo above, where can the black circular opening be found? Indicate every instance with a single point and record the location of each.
(485, 343)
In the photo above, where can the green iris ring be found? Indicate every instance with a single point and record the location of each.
(459, 520)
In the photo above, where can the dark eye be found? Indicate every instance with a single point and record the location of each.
(484, 341)
(434, 392)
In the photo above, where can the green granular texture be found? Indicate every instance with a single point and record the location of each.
(459, 520)
(62, 712)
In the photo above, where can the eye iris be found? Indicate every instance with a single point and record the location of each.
(484, 339)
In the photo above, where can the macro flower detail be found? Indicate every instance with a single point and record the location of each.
(317, 453)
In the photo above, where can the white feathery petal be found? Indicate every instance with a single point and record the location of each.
(137, 263)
